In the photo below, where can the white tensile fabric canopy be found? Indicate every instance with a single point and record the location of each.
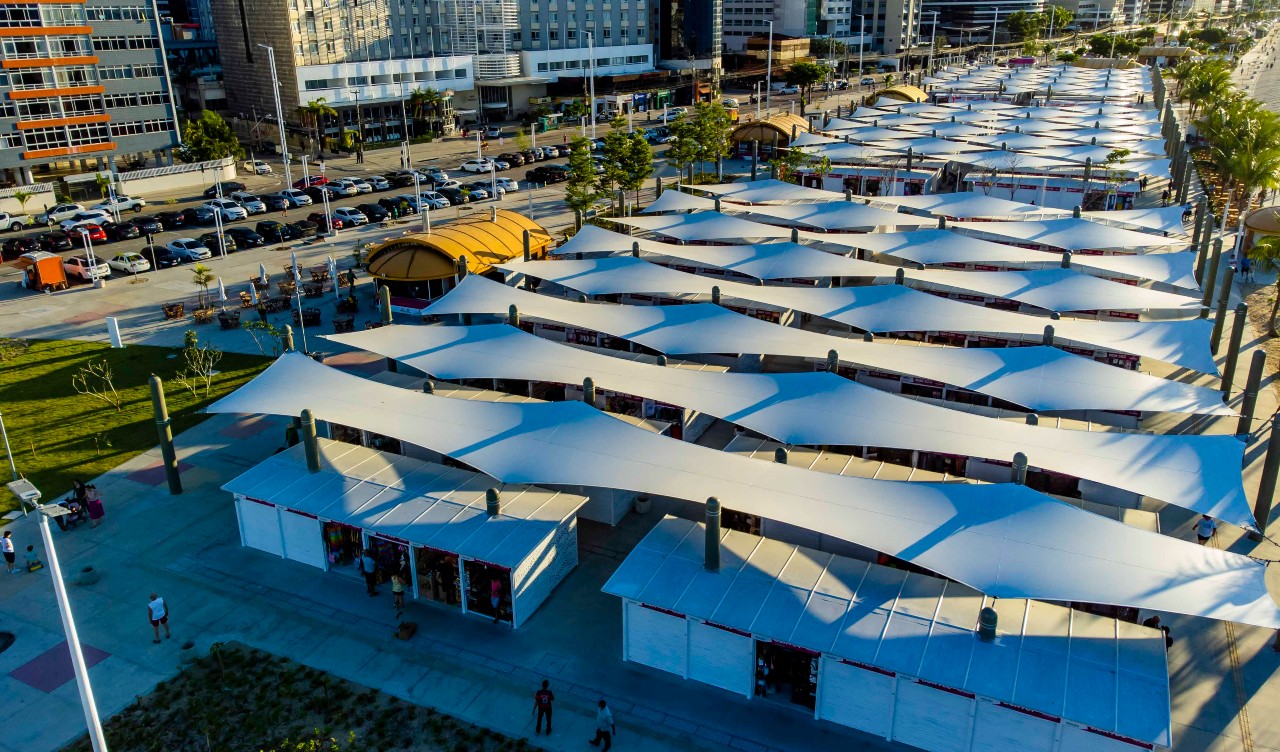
(678, 201)
(1069, 234)
(1005, 540)
(946, 247)
(766, 192)
(704, 225)
(810, 139)
(1059, 289)
(970, 205)
(1199, 473)
(830, 216)
(1166, 219)
(886, 308)
(1038, 378)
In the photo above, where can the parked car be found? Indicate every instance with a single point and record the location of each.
(343, 187)
(867, 81)
(190, 249)
(251, 203)
(361, 185)
(210, 240)
(563, 150)
(401, 179)
(83, 234)
(455, 195)
(82, 267)
(121, 203)
(117, 231)
(500, 165)
(305, 228)
(475, 192)
(58, 213)
(14, 222)
(374, 212)
(86, 217)
(245, 237)
(531, 156)
(129, 261)
(147, 224)
(275, 232)
(325, 223)
(198, 215)
(14, 247)
(435, 174)
(307, 182)
(295, 197)
(172, 220)
(223, 189)
(476, 165)
(257, 167)
(515, 159)
(379, 183)
(161, 257)
(230, 210)
(402, 207)
(508, 184)
(493, 131)
(54, 241)
(274, 201)
(350, 216)
(545, 174)
(672, 114)
(435, 200)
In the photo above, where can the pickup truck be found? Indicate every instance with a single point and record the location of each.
(14, 222)
(122, 203)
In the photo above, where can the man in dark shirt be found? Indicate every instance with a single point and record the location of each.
(542, 700)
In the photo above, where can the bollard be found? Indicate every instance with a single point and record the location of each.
(1224, 296)
(309, 443)
(1033, 419)
(635, 249)
(988, 619)
(1047, 339)
(868, 337)
(513, 315)
(589, 391)
(711, 551)
(428, 387)
(715, 294)
(781, 455)
(492, 502)
(1267, 485)
(164, 428)
(287, 338)
(524, 239)
(1233, 350)
(384, 295)
(1211, 276)
(942, 223)
(1066, 260)
(1019, 470)
(662, 361)
(899, 275)
(848, 195)
(1245, 426)
(833, 361)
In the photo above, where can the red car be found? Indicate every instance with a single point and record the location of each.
(320, 219)
(95, 233)
(304, 183)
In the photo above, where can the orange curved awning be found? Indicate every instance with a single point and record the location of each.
(483, 241)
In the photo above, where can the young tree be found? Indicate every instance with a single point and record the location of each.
(806, 75)
(200, 363)
(208, 138)
(637, 164)
(580, 190)
(786, 164)
(95, 380)
(1023, 25)
(22, 198)
(202, 277)
(711, 129)
(684, 150)
(627, 161)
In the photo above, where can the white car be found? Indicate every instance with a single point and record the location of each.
(58, 213)
(508, 184)
(350, 217)
(447, 184)
(344, 187)
(229, 209)
(130, 261)
(122, 203)
(80, 266)
(433, 200)
(476, 165)
(379, 183)
(251, 203)
(494, 131)
(361, 185)
(672, 114)
(87, 217)
(257, 167)
(295, 197)
(14, 222)
(189, 249)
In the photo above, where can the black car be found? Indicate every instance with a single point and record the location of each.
(172, 220)
(55, 240)
(305, 228)
(403, 208)
(147, 225)
(455, 195)
(401, 179)
(546, 174)
(515, 159)
(227, 189)
(160, 257)
(563, 150)
(317, 193)
(246, 238)
(198, 215)
(530, 156)
(275, 232)
(117, 231)
(14, 247)
(274, 201)
(374, 212)
(210, 240)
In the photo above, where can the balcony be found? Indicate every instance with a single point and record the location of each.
(492, 67)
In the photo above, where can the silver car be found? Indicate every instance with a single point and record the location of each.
(251, 203)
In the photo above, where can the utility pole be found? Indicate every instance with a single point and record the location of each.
(359, 129)
(284, 139)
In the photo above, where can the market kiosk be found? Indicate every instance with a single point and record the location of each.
(427, 518)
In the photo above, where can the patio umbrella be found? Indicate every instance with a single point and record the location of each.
(293, 259)
(253, 294)
(333, 275)
(262, 272)
(222, 291)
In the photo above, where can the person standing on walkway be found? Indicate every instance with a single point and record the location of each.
(604, 728)
(93, 503)
(369, 568)
(6, 547)
(542, 700)
(158, 613)
(1205, 528)
(397, 591)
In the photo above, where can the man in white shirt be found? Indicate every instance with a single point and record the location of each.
(1205, 528)
(158, 613)
(604, 727)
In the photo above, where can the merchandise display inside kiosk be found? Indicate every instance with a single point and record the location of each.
(438, 576)
(487, 584)
(343, 544)
(790, 674)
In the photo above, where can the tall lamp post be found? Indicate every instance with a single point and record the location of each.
(768, 71)
(284, 139)
(862, 30)
(933, 35)
(28, 494)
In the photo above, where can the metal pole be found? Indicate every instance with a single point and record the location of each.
(1245, 426)
(862, 29)
(164, 64)
(1267, 485)
(1224, 296)
(164, 429)
(768, 71)
(275, 88)
(591, 60)
(7, 453)
(1233, 350)
(1211, 276)
(96, 737)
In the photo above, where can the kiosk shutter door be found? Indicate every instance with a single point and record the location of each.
(656, 639)
(261, 526)
(720, 658)
(303, 538)
(855, 697)
(998, 728)
(931, 719)
(1079, 739)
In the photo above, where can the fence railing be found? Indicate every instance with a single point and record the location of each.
(36, 189)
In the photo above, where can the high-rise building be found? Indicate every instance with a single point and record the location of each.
(690, 34)
(889, 26)
(81, 81)
(979, 14)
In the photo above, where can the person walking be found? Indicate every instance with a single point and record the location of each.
(542, 701)
(6, 547)
(1205, 528)
(369, 568)
(158, 614)
(397, 591)
(93, 503)
(604, 728)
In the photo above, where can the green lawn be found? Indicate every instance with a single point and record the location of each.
(58, 435)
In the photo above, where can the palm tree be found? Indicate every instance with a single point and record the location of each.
(1244, 145)
(1205, 84)
(22, 198)
(1266, 254)
(313, 113)
(431, 101)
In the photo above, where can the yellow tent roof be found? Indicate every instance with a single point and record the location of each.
(905, 93)
(764, 129)
(482, 241)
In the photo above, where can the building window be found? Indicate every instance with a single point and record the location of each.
(542, 67)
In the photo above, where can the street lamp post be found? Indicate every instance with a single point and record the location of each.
(591, 63)
(9, 454)
(768, 70)
(994, 24)
(862, 30)
(933, 35)
(275, 89)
